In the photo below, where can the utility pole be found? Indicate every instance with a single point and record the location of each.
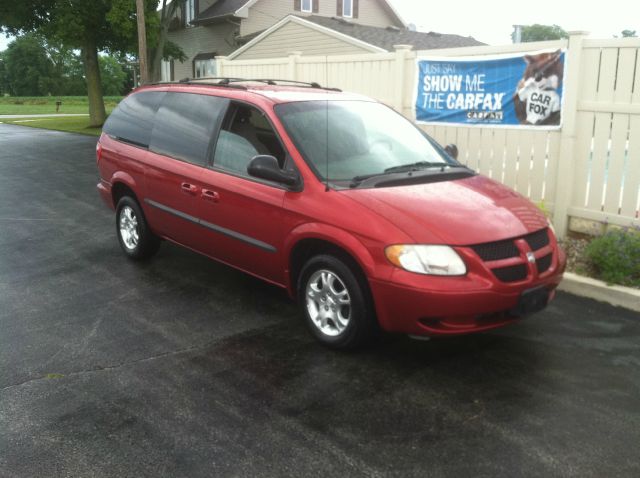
(142, 43)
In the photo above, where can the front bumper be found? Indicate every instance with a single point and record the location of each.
(428, 305)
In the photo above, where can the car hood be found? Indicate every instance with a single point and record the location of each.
(459, 212)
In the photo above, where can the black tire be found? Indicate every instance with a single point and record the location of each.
(146, 244)
(361, 325)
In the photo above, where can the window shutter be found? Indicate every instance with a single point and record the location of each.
(172, 74)
(355, 8)
(297, 5)
(315, 6)
(339, 12)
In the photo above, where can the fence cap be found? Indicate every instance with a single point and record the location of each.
(403, 47)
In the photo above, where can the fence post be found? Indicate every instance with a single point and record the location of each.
(402, 51)
(566, 161)
(220, 63)
(292, 71)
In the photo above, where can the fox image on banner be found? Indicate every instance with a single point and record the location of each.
(523, 90)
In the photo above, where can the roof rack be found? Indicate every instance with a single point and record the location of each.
(234, 82)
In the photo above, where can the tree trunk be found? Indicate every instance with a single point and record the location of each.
(142, 43)
(155, 67)
(97, 113)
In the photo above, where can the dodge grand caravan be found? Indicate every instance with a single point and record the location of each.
(360, 216)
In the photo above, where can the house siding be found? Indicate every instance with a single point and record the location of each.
(264, 13)
(204, 4)
(293, 36)
(216, 38)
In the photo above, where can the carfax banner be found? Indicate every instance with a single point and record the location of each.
(523, 90)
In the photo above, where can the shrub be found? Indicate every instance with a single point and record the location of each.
(615, 257)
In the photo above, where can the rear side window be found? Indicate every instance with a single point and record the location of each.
(132, 120)
(185, 125)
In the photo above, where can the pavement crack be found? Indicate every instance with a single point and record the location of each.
(108, 368)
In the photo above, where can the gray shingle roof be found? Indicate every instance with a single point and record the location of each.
(388, 37)
(221, 8)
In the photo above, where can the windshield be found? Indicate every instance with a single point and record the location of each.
(345, 141)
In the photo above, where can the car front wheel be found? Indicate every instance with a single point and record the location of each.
(335, 302)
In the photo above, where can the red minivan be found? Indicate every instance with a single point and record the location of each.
(358, 214)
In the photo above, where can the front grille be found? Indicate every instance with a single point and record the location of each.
(544, 263)
(537, 240)
(511, 273)
(494, 251)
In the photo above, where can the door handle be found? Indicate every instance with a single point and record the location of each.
(189, 188)
(209, 195)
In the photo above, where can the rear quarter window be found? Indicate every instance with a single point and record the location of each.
(132, 121)
(185, 125)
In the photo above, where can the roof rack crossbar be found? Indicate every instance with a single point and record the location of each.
(232, 82)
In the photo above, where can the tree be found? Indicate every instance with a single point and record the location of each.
(157, 21)
(162, 48)
(539, 32)
(75, 23)
(628, 34)
(89, 26)
(4, 88)
(28, 69)
(113, 76)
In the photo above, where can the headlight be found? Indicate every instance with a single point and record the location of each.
(433, 260)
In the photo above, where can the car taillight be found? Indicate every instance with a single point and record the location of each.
(98, 152)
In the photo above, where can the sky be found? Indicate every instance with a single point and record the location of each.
(491, 21)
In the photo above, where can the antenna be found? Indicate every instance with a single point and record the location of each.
(326, 82)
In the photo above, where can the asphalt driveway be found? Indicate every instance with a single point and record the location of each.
(183, 367)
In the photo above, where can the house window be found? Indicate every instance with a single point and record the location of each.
(204, 67)
(189, 11)
(347, 8)
(307, 6)
(166, 71)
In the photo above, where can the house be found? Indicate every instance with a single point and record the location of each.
(251, 29)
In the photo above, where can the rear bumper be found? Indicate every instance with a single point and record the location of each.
(428, 305)
(104, 188)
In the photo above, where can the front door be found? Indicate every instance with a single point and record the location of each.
(244, 219)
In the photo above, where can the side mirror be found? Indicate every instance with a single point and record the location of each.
(452, 150)
(266, 167)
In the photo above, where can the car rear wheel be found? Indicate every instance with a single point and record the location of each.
(135, 238)
(335, 302)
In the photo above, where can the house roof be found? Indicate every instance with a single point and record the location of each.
(374, 39)
(225, 8)
(221, 8)
(386, 38)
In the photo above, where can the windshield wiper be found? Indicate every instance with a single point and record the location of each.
(398, 169)
(415, 167)
(408, 168)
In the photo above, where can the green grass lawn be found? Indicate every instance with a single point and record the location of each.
(72, 124)
(25, 105)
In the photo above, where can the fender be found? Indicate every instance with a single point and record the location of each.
(333, 235)
(126, 179)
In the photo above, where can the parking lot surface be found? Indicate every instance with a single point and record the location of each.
(184, 367)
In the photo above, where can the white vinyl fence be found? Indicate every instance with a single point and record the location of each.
(590, 169)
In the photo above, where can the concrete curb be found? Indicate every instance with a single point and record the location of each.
(595, 289)
(36, 116)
